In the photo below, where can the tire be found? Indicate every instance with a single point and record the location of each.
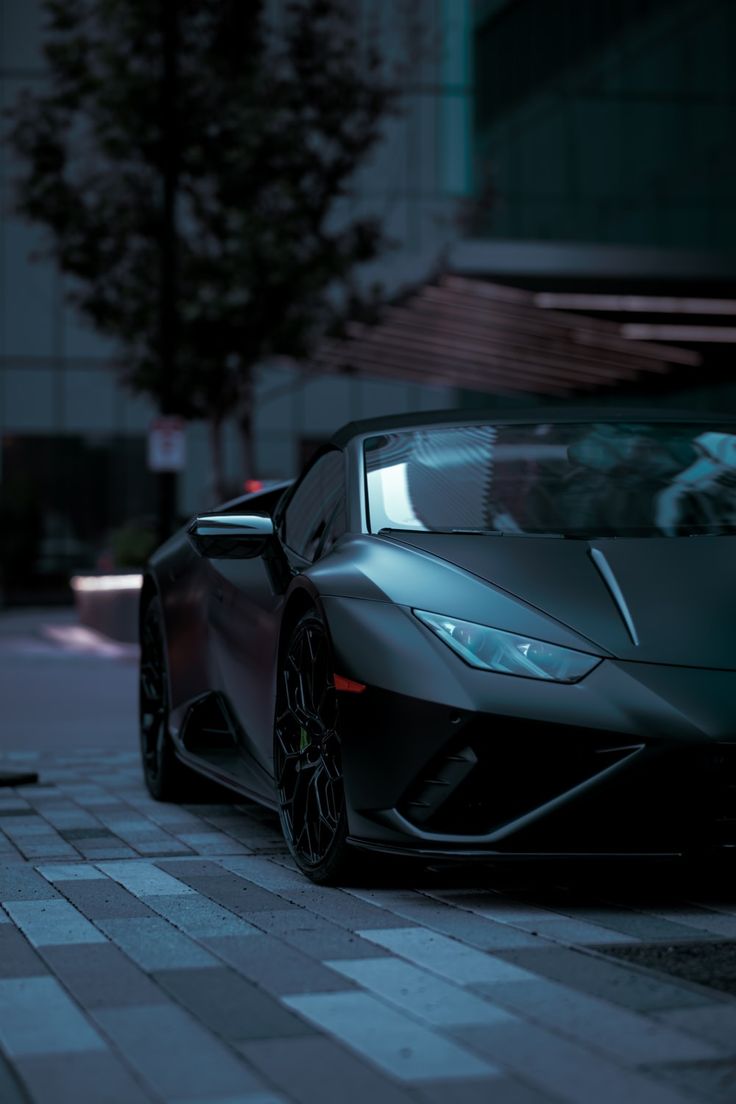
(166, 778)
(307, 756)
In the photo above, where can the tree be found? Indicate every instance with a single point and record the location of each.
(271, 123)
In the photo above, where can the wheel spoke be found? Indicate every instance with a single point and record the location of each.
(307, 746)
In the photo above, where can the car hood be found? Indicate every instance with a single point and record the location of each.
(678, 595)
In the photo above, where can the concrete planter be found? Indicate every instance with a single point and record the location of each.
(109, 603)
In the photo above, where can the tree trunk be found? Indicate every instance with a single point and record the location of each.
(218, 479)
(245, 424)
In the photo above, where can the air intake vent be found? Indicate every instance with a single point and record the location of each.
(503, 769)
(430, 793)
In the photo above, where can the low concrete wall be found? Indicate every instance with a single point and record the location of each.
(109, 604)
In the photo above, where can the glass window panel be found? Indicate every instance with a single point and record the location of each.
(602, 479)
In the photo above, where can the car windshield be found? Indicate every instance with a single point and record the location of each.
(586, 480)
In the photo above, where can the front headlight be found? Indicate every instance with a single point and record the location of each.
(494, 650)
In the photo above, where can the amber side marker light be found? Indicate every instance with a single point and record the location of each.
(348, 685)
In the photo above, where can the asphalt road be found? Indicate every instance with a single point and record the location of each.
(62, 687)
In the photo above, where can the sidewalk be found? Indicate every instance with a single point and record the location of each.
(150, 952)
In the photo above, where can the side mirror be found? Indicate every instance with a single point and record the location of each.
(231, 536)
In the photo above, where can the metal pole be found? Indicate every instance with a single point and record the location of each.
(167, 483)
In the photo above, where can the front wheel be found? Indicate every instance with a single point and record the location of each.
(308, 756)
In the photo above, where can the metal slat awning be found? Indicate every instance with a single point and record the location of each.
(482, 336)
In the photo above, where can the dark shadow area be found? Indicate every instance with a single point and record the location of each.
(707, 963)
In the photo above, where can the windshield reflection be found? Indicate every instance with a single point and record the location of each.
(602, 479)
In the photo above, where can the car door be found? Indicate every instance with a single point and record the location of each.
(246, 636)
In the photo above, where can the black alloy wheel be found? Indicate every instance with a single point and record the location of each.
(166, 778)
(307, 755)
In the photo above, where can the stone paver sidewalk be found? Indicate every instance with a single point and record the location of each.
(150, 952)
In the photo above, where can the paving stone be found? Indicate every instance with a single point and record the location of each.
(274, 966)
(703, 921)
(99, 1077)
(125, 822)
(313, 935)
(8, 851)
(31, 825)
(154, 850)
(241, 1098)
(581, 929)
(155, 944)
(342, 908)
(605, 978)
(264, 872)
(11, 1089)
(98, 832)
(565, 1069)
(715, 1022)
(68, 872)
(236, 894)
(630, 1038)
(713, 1081)
(22, 883)
(37, 1017)
(317, 1070)
(143, 878)
(396, 1044)
(478, 931)
(446, 957)
(69, 817)
(229, 1005)
(50, 850)
(501, 1090)
(17, 956)
(212, 843)
(198, 916)
(103, 898)
(192, 865)
(52, 922)
(420, 994)
(101, 976)
(646, 927)
(104, 850)
(174, 1054)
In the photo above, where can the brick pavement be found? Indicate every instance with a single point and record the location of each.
(152, 952)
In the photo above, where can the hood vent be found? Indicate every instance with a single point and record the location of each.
(606, 573)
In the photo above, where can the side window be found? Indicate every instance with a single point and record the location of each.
(316, 505)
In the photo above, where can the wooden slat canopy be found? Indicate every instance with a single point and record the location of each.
(483, 336)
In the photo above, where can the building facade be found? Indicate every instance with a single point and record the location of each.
(73, 459)
(553, 144)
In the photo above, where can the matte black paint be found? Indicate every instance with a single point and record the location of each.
(661, 715)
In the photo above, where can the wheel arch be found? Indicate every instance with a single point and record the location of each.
(149, 590)
(300, 601)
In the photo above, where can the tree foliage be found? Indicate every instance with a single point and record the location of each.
(271, 122)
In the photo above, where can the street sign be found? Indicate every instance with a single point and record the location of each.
(167, 451)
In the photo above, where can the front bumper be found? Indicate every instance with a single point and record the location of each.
(425, 779)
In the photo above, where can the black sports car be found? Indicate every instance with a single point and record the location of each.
(462, 637)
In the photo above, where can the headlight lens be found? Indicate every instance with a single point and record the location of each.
(494, 650)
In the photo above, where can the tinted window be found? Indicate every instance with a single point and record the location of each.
(601, 479)
(315, 507)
